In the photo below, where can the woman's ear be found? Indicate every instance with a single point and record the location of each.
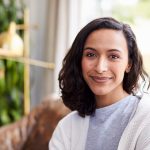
(128, 68)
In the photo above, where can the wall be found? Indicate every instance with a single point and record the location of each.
(40, 82)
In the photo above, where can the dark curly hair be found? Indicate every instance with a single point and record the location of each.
(75, 92)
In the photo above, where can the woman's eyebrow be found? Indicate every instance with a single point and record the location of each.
(110, 50)
(114, 50)
(89, 48)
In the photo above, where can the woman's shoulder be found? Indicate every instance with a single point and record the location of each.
(145, 102)
(73, 127)
(139, 126)
(74, 120)
(143, 109)
(73, 116)
(70, 116)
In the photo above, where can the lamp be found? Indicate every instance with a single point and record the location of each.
(10, 40)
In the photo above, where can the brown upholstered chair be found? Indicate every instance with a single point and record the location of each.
(33, 131)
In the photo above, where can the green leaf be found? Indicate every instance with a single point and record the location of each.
(16, 115)
(5, 119)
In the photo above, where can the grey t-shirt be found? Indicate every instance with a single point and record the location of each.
(108, 123)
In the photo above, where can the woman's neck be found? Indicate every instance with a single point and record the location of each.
(106, 100)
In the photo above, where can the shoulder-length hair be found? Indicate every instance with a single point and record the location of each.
(75, 92)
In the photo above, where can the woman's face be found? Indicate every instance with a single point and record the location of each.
(104, 62)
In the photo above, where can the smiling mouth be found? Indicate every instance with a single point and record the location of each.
(100, 79)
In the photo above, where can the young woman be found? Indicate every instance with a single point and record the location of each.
(99, 81)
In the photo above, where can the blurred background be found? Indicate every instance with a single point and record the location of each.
(47, 32)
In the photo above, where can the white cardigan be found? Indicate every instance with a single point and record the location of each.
(71, 131)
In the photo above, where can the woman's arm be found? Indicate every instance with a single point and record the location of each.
(143, 142)
(60, 139)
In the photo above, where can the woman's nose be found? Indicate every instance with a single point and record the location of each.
(101, 65)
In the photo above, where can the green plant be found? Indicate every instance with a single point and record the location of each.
(11, 72)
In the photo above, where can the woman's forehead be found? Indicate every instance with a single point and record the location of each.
(107, 39)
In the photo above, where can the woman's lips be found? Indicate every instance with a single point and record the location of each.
(100, 79)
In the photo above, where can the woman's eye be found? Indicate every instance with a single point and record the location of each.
(90, 55)
(113, 57)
